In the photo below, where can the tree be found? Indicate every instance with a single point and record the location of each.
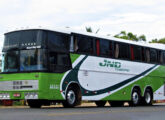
(130, 36)
(142, 38)
(89, 29)
(162, 40)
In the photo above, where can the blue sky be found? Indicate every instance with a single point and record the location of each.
(111, 16)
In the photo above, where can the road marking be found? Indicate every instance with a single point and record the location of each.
(104, 112)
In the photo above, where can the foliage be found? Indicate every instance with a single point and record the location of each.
(130, 36)
(89, 29)
(162, 40)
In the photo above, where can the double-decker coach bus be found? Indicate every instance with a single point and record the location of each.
(44, 66)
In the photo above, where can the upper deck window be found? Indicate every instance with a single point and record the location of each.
(137, 53)
(147, 55)
(83, 44)
(58, 42)
(105, 48)
(153, 55)
(122, 51)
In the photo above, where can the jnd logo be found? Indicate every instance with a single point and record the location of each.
(107, 63)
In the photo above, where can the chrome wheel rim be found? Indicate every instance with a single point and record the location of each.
(135, 98)
(71, 97)
(147, 97)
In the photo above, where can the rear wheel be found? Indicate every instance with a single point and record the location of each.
(34, 103)
(148, 97)
(135, 98)
(116, 103)
(100, 103)
(73, 98)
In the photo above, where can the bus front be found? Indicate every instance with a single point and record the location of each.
(31, 61)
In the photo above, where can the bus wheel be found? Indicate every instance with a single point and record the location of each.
(100, 103)
(148, 97)
(135, 98)
(72, 98)
(116, 103)
(34, 103)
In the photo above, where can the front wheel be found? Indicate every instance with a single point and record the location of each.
(73, 98)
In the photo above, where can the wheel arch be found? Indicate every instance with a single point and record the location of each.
(148, 88)
(136, 87)
(74, 85)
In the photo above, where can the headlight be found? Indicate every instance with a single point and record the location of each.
(4, 96)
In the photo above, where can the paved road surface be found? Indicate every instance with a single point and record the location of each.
(156, 112)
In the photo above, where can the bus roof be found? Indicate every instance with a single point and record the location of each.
(35, 28)
(68, 31)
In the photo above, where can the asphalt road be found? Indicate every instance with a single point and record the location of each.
(156, 112)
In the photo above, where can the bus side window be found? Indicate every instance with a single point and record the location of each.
(124, 51)
(161, 57)
(116, 50)
(105, 48)
(75, 44)
(59, 62)
(143, 54)
(137, 53)
(164, 58)
(83, 44)
(153, 55)
(147, 55)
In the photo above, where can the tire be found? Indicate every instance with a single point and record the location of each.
(73, 98)
(100, 103)
(148, 97)
(135, 98)
(34, 103)
(116, 103)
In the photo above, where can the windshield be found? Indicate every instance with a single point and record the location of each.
(25, 60)
(25, 39)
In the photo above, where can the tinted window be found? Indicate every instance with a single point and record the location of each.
(137, 53)
(153, 55)
(59, 62)
(58, 42)
(11, 41)
(116, 50)
(147, 54)
(25, 39)
(143, 54)
(163, 57)
(83, 44)
(105, 48)
(124, 51)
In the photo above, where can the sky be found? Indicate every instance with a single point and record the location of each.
(110, 16)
